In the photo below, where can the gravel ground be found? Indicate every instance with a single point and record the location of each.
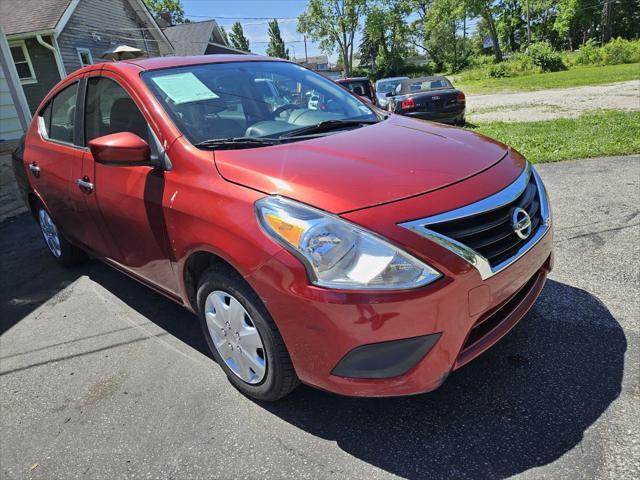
(102, 378)
(550, 104)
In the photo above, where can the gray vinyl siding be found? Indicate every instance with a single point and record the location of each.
(99, 25)
(45, 69)
(10, 127)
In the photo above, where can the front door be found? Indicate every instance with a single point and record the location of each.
(128, 200)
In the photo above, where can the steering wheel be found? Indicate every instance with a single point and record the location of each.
(284, 108)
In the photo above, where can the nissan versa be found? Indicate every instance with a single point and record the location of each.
(325, 241)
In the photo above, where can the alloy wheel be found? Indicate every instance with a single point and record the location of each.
(235, 336)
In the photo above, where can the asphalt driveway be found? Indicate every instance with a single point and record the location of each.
(102, 378)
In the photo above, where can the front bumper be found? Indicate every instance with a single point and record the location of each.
(320, 327)
(330, 333)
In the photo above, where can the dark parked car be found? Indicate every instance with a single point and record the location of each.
(428, 98)
(384, 86)
(361, 86)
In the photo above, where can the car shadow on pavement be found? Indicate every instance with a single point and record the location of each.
(522, 404)
(30, 277)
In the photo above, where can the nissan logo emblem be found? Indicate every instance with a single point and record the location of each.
(521, 223)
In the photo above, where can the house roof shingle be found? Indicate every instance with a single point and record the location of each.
(22, 16)
(190, 38)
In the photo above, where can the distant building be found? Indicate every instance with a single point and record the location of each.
(319, 63)
(198, 38)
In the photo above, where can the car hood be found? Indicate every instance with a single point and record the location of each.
(372, 165)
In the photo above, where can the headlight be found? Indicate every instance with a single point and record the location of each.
(338, 254)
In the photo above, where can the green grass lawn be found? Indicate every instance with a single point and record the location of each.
(600, 134)
(573, 77)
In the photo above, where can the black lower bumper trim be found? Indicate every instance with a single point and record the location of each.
(385, 359)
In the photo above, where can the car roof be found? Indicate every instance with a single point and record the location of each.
(156, 63)
(391, 78)
(353, 79)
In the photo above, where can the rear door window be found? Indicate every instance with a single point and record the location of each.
(59, 115)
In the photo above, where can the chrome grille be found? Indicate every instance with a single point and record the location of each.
(483, 233)
(491, 233)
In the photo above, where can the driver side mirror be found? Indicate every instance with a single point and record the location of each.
(122, 149)
(389, 94)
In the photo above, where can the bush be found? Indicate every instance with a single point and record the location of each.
(619, 51)
(498, 70)
(481, 60)
(545, 57)
(615, 52)
(589, 53)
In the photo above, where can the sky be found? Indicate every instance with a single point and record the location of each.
(254, 16)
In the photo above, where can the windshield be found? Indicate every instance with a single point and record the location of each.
(359, 87)
(425, 85)
(250, 99)
(388, 85)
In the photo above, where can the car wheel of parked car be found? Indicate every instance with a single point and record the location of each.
(65, 253)
(243, 337)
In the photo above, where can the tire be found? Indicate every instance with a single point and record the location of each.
(64, 252)
(218, 292)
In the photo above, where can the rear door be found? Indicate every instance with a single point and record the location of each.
(128, 200)
(52, 154)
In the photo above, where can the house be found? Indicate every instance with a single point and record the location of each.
(319, 63)
(198, 38)
(49, 39)
(14, 120)
(14, 111)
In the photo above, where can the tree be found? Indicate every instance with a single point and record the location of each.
(510, 23)
(237, 38)
(334, 24)
(225, 36)
(385, 33)
(276, 45)
(172, 7)
(485, 9)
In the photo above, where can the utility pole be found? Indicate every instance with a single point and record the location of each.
(606, 21)
(306, 57)
(528, 24)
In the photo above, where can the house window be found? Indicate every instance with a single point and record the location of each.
(85, 56)
(22, 62)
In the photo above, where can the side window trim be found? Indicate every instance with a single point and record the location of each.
(45, 134)
(79, 126)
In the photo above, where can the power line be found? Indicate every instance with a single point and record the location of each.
(243, 18)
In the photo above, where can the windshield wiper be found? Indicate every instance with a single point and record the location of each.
(327, 126)
(237, 143)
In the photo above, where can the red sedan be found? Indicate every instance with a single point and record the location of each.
(356, 251)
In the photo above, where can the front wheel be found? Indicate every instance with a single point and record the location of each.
(65, 253)
(243, 337)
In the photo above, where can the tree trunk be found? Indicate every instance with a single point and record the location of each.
(486, 14)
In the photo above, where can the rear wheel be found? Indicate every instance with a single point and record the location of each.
(243, 337)
(65, 253)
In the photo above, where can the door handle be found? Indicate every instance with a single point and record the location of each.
(35, 169)
(85, 185)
